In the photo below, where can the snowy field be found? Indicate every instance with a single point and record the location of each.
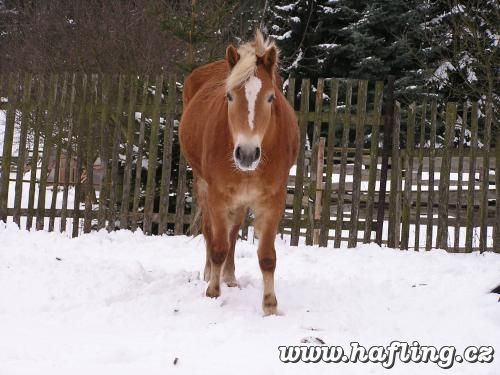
(123, 303)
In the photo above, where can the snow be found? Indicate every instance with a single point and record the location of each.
(457, 9)
(48, 193)
(299, 57)
(441, 74)
(286, 35)
(328, 46)
(471, 75)
(494, 38)
(288, 7)
(466, 62)
(125, 303)
(329, 10)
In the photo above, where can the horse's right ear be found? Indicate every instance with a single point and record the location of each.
(232, 56)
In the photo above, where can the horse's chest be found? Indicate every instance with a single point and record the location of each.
(244, 194)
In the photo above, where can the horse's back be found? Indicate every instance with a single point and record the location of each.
(205, 76)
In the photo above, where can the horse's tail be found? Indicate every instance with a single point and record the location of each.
(195, 226)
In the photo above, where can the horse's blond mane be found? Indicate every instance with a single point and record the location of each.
(246, 65)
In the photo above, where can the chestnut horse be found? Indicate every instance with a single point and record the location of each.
(240, 136)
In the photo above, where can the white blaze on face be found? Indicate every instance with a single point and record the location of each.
(252, 88)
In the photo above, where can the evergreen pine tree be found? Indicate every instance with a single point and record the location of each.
(350, 39)
(295, 26)
(463, 37)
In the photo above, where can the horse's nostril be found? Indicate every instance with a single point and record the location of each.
(246, 155)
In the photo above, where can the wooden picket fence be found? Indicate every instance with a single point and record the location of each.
(86, 157)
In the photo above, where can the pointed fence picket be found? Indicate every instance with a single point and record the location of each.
(101, 152)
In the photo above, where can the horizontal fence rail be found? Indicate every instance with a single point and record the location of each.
(83, 152)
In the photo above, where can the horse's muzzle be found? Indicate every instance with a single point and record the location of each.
(247, 157)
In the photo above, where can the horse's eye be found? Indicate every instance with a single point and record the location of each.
(270, 98)
(229, 97)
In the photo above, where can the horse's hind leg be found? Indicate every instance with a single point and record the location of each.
(208, 245)
(201, 195)
(206, 271)
(228, 272)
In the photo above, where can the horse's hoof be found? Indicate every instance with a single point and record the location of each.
(270, 310)
(231, 281)
(213, 292)
(270, 305)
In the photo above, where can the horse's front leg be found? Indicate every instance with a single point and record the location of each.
(219, 246)
(268, 215)
(237, 217)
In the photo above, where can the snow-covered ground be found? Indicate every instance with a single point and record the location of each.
(124, 303)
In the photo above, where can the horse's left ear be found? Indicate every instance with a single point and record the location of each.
(232, 56)
(270, 58)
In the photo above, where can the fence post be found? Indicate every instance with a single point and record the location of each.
(166, 170)
(393, 235)
(47, 150)
(444, 179)
(410, 143)
(299, 175)
(115, 151)
(69, 155)
(358, 160)
(343, 165)
(21, 161)
(314, 174)
(59, 125)
(79, 133)
(386, 150)
(127, 173)
(89, 155)
(496, 235)
(485, 177)
(290, 97)
(7, 147)
(430, 197)
(377, 111)
(34, 156)
(472, 177)
(458, 217)
(104, 151)
(153, 152)
(140, 151)
(319, 188)
(180, 199)
(325, 210)
(419, 175)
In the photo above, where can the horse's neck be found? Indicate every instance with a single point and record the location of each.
(221, 134)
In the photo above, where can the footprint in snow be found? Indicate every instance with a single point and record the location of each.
(312, 340)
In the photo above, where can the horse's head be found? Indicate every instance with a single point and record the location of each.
(250, 95)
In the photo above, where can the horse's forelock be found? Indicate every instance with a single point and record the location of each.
(247, 64)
